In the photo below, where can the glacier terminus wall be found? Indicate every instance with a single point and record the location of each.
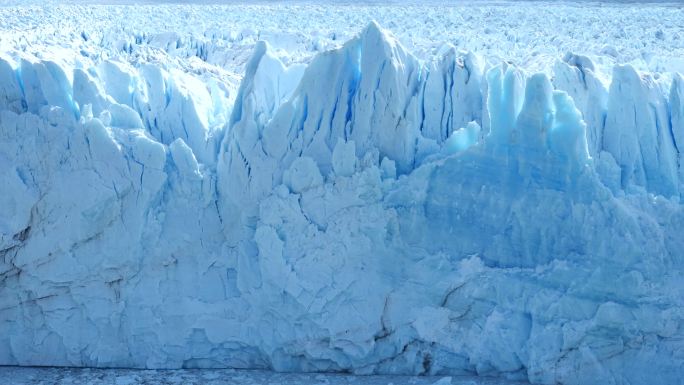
(365, 212)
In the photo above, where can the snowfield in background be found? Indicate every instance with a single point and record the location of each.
(530, 35)
(490, 190)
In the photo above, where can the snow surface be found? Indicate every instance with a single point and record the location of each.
(206, 198)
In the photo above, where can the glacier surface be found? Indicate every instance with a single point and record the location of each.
(362, 211)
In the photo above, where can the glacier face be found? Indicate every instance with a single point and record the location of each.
(367, 212)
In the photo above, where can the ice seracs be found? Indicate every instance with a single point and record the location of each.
(575, 74)
(368, 212)
(677, 119)
(638, 133)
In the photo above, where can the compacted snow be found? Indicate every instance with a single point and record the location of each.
(489, 190)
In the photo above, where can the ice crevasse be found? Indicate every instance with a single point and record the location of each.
(367, 212)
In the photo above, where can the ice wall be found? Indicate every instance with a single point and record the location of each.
(367, 213)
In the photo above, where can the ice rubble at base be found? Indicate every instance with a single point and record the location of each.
(367, 213)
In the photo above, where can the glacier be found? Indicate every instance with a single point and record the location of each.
(366, 212)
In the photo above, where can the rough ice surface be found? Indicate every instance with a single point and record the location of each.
(364, 211)
(95, 376)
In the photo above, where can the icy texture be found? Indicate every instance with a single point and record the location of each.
(91, 376)
(532, 34)
(368, 212)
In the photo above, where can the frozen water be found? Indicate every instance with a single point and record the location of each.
(195, 199)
